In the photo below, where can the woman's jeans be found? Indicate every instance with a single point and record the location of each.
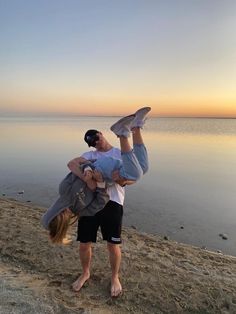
(132, 166)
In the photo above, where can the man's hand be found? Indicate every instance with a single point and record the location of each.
(120, 180)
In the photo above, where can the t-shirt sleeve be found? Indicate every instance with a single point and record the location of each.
(87, 155)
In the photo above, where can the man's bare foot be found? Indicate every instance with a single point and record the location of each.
(116, 287)
(80, 281)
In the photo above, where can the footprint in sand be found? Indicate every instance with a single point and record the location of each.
(55, 283)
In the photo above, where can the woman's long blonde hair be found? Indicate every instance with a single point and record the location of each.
(59, 226)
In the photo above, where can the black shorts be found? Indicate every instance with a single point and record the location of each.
(110, 221)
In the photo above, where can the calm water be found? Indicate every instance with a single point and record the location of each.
(191, 182)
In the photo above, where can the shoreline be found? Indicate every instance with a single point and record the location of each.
(182, 232)
(157, 275)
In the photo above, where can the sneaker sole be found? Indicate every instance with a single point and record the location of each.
(131, 116)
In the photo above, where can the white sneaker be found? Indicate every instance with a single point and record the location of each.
(139, 119)
(123, 126)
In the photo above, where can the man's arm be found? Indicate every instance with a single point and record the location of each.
(119, 180)
(74, 166)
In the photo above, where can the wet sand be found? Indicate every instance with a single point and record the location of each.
(157, 275)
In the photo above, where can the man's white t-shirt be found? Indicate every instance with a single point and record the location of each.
(115, 191)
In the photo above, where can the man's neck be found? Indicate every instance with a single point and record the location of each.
(106, 148)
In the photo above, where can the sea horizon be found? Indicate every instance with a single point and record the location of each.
(77, 115)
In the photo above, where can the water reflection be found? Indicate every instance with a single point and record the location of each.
(191, 182)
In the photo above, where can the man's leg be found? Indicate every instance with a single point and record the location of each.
(111, 231)
(85, 253)
(115, 260)
(86, 234)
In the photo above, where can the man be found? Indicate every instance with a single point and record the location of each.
(110, 217)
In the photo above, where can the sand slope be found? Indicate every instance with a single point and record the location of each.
(158, 276)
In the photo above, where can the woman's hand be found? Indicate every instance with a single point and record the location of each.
(97, 176)
(88, 176)
(88, 179)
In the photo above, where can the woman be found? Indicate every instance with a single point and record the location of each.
(76, 198)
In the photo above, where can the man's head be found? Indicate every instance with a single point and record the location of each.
(91, 137)
(96, 139)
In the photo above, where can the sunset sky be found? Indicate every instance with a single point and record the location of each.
(109, 57)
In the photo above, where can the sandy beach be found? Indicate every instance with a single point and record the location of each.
(158, 276)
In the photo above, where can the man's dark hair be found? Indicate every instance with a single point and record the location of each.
(90, 137)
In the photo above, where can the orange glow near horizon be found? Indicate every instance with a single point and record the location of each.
(160, 107)
(215, 103)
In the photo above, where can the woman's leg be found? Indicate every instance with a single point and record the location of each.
(125, 146)
(131, 169)
(137, 136)
(140, 150)
(138, 143)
